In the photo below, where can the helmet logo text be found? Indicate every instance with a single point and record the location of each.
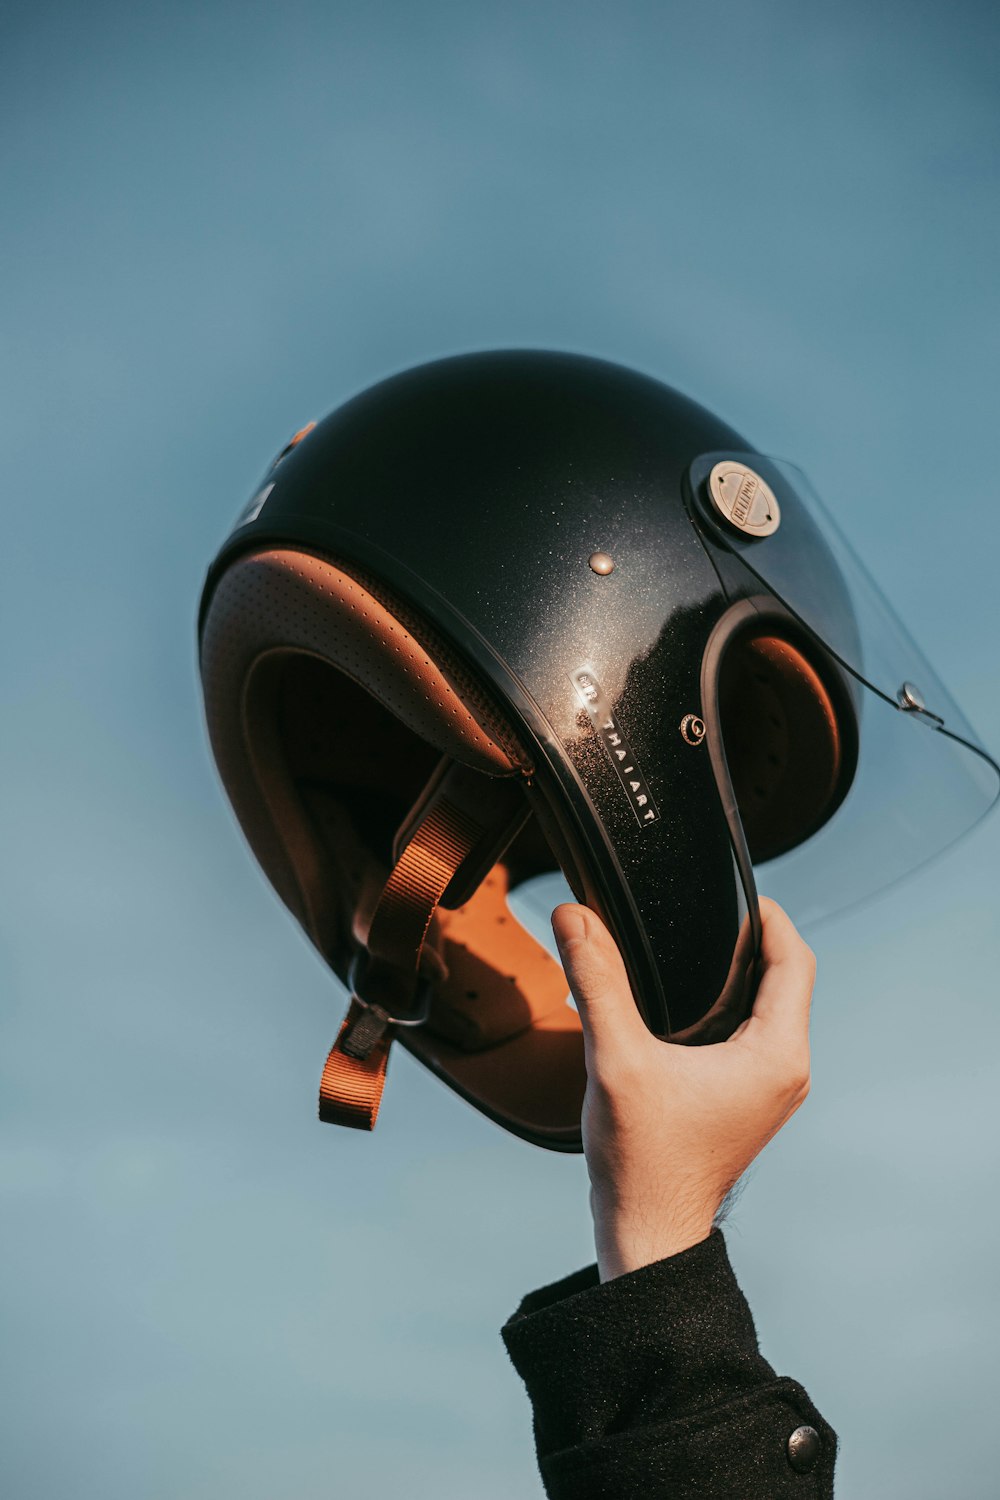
(743, 499)
(620, 752)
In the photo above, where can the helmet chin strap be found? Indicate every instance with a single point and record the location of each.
(460, 826)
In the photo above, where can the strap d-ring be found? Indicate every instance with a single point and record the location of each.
(375, 1015)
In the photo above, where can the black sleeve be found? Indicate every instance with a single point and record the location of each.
(652, 1385)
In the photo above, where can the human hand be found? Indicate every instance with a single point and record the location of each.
(669, 1129)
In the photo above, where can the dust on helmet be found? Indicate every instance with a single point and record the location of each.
(516, 613)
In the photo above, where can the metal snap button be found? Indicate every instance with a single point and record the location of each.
(803, 1449)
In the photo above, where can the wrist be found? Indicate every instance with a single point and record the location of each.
(622, 1248)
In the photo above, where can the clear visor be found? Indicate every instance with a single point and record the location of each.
(922, 778)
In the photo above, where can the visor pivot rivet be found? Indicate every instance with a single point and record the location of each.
(743, 499)
(602, 563)
(910, 697)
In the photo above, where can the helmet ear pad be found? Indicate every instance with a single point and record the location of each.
(789, 731)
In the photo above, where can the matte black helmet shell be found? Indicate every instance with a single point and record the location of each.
(537, 530)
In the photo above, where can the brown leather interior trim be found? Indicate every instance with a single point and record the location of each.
(783, 741)
(500, 980)
(277, 602)
(517, 1049)
(326, 715)
(534, 1083)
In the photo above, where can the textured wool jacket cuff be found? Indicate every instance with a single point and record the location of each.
(653, 1384)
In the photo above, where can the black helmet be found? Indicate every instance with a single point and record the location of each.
(514, 613)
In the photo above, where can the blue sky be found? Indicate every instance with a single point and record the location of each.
(218, 222)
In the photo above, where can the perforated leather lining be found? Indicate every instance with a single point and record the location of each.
(326, 714)
(280, 602)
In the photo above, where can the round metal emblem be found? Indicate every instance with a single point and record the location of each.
(693, 729)
(743, 499)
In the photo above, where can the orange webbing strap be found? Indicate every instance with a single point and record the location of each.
(426, 868)
(350, 1090)
(354, 1076)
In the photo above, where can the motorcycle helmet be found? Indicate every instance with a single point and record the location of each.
(514, 613)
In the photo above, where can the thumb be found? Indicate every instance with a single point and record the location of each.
(597, 978)
(781, 1009)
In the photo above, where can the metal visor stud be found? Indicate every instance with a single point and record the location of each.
(743, 499)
